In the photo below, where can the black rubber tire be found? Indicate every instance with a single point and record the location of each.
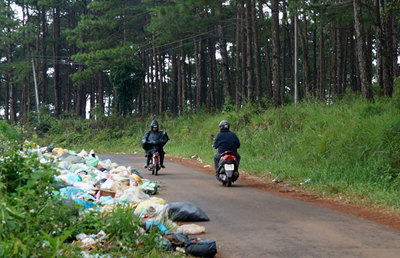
(228, 181)
(156, 167)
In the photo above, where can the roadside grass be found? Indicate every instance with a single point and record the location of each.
(349, 149)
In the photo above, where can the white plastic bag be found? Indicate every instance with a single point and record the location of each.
(191, 229)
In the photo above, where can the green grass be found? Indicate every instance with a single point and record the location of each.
(350, 148)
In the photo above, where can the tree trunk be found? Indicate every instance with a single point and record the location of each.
(353, 66)
(387, 40)
(56, 47)
(395, 46)
(256, 47)
(211, 103)
(183, 74)
(151, 85)
(11, 101)
(44, 56)
(189, 83)
(359, 29)
(284, 51)
(322, 75)
(379, 47)
(249, 53)
(29, 99)
(275, 52)
(237, 57)
(306, 61)
(157, 80)
(368, 52)
(174, 103)
(243, 51)
(100, 91)
(224, 61)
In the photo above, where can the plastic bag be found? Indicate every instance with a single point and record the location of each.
(85, 204)
(149, 187)
(121, 170)
(74, 159)
(161, 227)
(204, 248)
(107, 164)
(191, 229)
(73, 178)
(137, 178)
(184, 211)
(132, 194)
(156, 212)
(149, 202)
(91, 161)
(70, 191)
(83, 153)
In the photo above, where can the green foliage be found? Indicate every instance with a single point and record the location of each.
(127, 79)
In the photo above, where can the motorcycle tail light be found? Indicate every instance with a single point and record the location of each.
(229, 157)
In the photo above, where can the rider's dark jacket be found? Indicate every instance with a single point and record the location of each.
(154, 141)
(226, 140)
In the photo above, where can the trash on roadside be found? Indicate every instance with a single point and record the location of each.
(161, 228)
(149, 187)
(184, 211)
(156, 212)
(191, 229)
(91, 161)
(87, 242)
(202, 248)
(306, 181)
(87, 183)
(132, 194)
(149, 202)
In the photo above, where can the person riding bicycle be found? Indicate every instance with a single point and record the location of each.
(225, 141)
(154, 141)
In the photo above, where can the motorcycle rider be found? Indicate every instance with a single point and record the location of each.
(154, 141)
(225, 141)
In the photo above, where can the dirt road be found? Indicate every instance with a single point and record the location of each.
(248, 222)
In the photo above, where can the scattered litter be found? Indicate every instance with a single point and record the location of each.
(277, 180)
(203, 248)
(149, 187)
(191, 229)
(184, 211)
(86, 182)
(306, 181)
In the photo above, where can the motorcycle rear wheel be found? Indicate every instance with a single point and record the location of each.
(228, 181)
(155, 169)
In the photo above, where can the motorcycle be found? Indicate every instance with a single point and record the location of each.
(154, 164)
(228, 167)
(228, 171)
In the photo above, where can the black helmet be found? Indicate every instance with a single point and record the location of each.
(224, 125)
(154, 123)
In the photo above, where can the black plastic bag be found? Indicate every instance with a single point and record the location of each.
(204, 248)
(184, 211)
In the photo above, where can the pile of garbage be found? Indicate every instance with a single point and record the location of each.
(101, 185)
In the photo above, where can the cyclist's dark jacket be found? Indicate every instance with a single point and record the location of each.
(154, 141)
